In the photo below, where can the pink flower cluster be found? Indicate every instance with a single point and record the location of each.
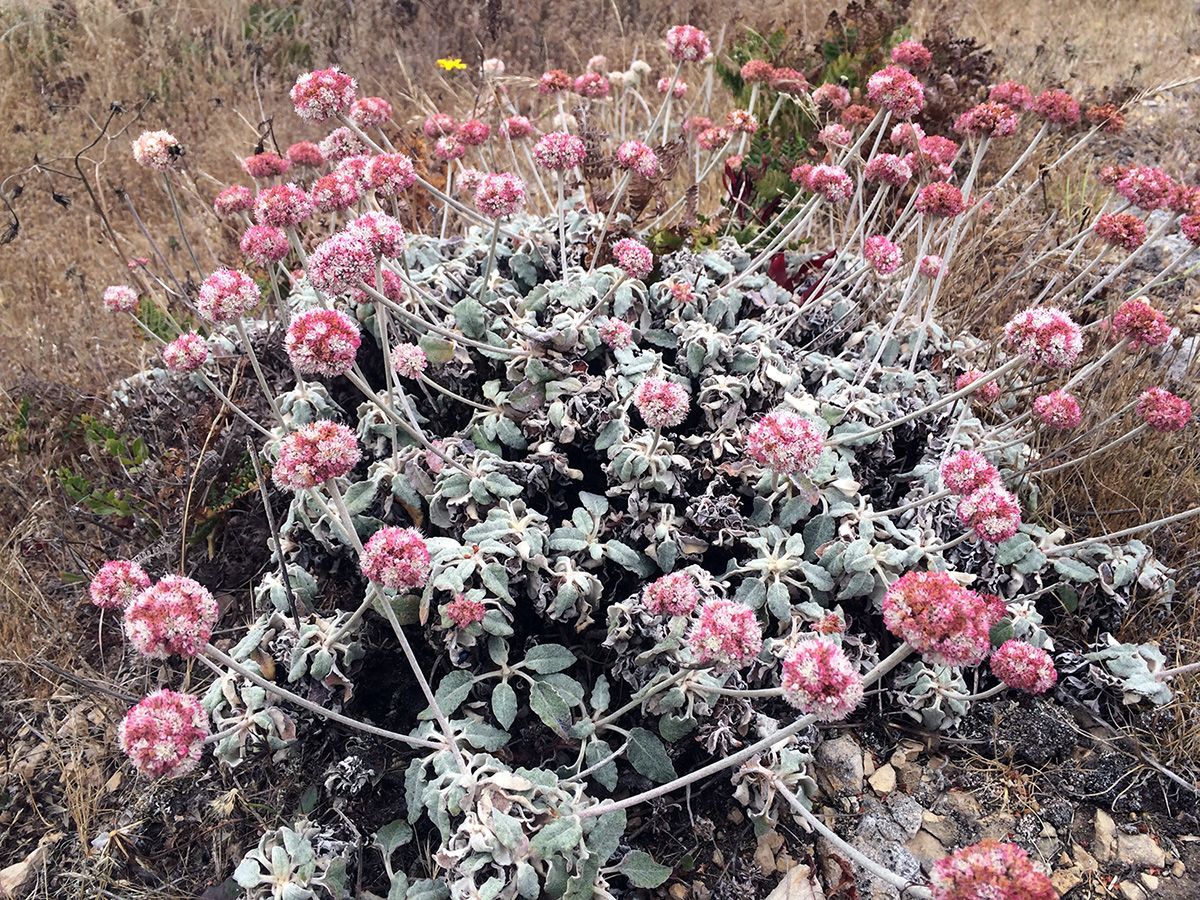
(1137, 320)
(226, 295)
(500, 195)
(439, 125)
(1145, 187)
(788, 81)
(785, 442)
(988, 119)
(857, 116)
(1163, 411)
(831, 96)
(989, 871)
(449, 148)
(409, 360)
(117, 583)
(991, 512)
(382, 234)
(397, 558)
(831, 182)
(163, 735)
(323, 94)
(897, 91)
(120, 298)
(559, 151)
(305, 153)
(234, 199)
(739, 121)
(1058, 410)
(888, 168)
(1012, 94)
(370, 112)
(473, 132)
(554, 81)
(1121, 230)
(334, 192)
(941, 199)
(264, 244)
(1024, 667)
(592, 85)
(265, 165)
(687, 43)
(186, 353)
(967, 471)
(341, 262)
(678, 87)
(884, 256)
(322, 342)
(464, 612)
(835, 135)
(341, 144)
(726, 635)
(940, 618)
(931, 266)
(817, 678)
(663, 404)
(633, 258)
(675, 594)
(713, 138)
(314, 454)
(517, 127)
(986, 394)
(757, 70)
(389, 174)
(282, 205)
(174, 616)
(639, 157)
(912, 55)
(1057, 107)
(158, 150)
(1048, 336)
(615, 333)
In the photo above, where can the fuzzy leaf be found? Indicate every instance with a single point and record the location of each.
(559, 837)
(468, 312)
(504, 704)
(550, 707)
(648, 756)
(547, 658)
(641, 869)
(607, 773)
(1075, 570)
(451, 693)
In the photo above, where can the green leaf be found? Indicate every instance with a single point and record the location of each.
(359, 496)
(1014, 549)
(504, 704)
(1075, 570)
(641, 869)
(607, 773)
(818, 531)
(779, 602)
(451, 693)
(393, 835)
(623, 555)
(648, 756)
(596, 504)
(550, 707)
(793, 511)
(468, 312)
(559, 837)
(547, 658)
(507, 828)
(672, 728)
(437, 350)
(495, 578)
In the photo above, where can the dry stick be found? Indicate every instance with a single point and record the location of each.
(234, 408)
(179, 222)
(1169, 520)
(230, 663)
(258, 372)
(271, 524)
(600, 809)
(1128, 436)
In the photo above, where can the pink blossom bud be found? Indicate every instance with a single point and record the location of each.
(163, 735)
(117, 583)
(173, 617)
(835, 136)
(554, 81)
(340, 144)
(633, 258)
(739, 121)
(323, 94)
(282, 205)
(383, 234)
(687, 43)
(264, 244)
(1120, 230)
(991, 512)
(819, 680)
(931, 267)
(1048, 336)
(186, 353)
(449, 148)
(986, 394)
(940, 199)
(340, 263)
(884, 256)
(1145, 187)
(785, 442)
(989, 871)
(500, 195)
(663, 404)
(967, 471)
(397, 558)
(1163, 411)
(639, 157)
(307, 154)
(322, 342)
(265, 165)
(592, 85)
(1057, 107)
(233, 199)
(831, 96)
(675, 594)
(1012, 94)
(1137, 320)
(948, 624)
(517, 127)
(757, 70)
(464, 613)
(913, 55)
(1024, 667)
(409, 361)
(616, 334)
(559, 151)
(726, 635)
(120, 298)
(1058, 410)
(227, 295)
(990, 119)
(370, 112)
(158, 150)
(831, 182)
(315, 453)
(897, 91)
(389, 174)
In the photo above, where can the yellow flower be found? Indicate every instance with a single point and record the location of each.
(451, 64)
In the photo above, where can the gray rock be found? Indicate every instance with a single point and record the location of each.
(1105, 843)
(1140, 851)
(927, 849)
(797, 883)
(839, 766)
(944, 828)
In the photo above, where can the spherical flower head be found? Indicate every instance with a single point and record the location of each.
(383, 234)
(473, 132)
(801, 175)
(315, 453)
(945, 622)
(831, 182)
(713, 138)
(370, 112)
(265, 165)
(787, 81)
(158, 150)
(1057, 107)
(967, 471)
(896, 90)
(517, 127)
(186, 353)
(120, 298)
(227, 295)
(937, 150)
(117, 583)
(592, 85)
(305, 153)
(173, 617)
(341, 143)
(1145, 187)
(1163, 411)
(1189, 227)
(835, 135)
(727, 634)
(831, 96)
(740, 121)
(264, 244)
(234, 199)
(673, 594)
(409, 360)
(559, 151)
(397, 558)
(912, 55)
(989, 119)
(884, 256)
(1011, 93)
(389, 173)
(687, 43)
(989, 871)
(1058, 410)
(633, 258)
(469, 181)
(449, 148)
(663, 404)
(615, 333)
(554, 81)
(818, 679)
(1184, 199)
(857, 116)
(439, 125)
(931, 266)
(334, 192)
(464, 613)
(163, 735)
(1121, 230)
(940, 199)
(786, 443)
(991, 512)
(1140, 322)
(322, 342)
(323, 94)
(282, 205)
(1048, 336)
(757, 70)
(341, 262)
(986, 394)
(907, 136)
(639, 157)
(1107, 117)
(695, 124)
(500, 195)
(1024, 667)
